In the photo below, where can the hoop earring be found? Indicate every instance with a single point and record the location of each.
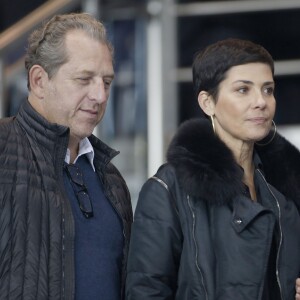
(271, 139)
(213, 123)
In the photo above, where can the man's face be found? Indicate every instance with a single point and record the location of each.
(77, 94)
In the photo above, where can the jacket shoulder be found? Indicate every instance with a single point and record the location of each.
(6, 121)
(157, 236)
(157, 198)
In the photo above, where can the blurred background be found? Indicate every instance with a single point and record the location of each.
(155, 41)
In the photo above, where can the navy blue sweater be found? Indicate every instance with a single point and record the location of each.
(98, 241)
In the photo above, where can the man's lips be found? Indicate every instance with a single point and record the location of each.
(90, 111)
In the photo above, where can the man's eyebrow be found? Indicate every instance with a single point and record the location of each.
(85, 72)
(111, 76)
(91, 73)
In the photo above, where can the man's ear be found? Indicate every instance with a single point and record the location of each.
(206, 103)
(38, 79)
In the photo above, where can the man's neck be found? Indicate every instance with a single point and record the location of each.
(74, 148)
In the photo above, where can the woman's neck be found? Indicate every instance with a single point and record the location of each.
(243, 154)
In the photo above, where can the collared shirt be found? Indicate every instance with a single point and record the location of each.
(85, 148)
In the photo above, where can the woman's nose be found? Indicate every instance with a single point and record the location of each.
(260, 100)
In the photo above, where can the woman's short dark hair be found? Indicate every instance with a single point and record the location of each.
(211, 64)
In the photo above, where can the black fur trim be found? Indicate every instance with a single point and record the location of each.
(206, 168)
(281, 163)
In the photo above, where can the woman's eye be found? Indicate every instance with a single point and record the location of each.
(243, 90)
(269, 90)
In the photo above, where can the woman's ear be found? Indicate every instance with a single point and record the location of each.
(206, 103)
(38, 78)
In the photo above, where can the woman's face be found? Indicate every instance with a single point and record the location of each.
(246, 105)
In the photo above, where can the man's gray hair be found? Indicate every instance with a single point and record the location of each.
(46, 45)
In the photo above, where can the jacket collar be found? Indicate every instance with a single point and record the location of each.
(206, 167)
(51, 139)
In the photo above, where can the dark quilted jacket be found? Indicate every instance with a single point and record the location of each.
(36, 221)
(196, 234)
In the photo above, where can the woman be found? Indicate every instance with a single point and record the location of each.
(219, 220)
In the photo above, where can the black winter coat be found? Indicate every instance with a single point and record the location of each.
(197, 235)
(36, 221)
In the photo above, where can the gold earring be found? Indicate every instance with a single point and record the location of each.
(213, 123)
(271, 139)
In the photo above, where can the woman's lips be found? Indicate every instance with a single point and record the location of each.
(258, 120)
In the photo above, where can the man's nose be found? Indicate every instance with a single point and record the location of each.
(97, 91)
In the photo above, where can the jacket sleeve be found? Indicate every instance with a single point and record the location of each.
(155, 246)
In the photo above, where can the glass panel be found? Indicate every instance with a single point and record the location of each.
(124, 126)
(196, 32)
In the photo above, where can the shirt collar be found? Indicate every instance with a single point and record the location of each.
(85, 148)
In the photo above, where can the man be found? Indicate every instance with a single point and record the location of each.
(65, 211)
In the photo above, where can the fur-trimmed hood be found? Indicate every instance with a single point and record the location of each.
(206, 168)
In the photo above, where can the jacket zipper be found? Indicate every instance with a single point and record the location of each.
(193, 234)
(280, 232)
(195, 244)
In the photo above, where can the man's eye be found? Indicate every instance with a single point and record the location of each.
(83, 79)
(107, 83)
